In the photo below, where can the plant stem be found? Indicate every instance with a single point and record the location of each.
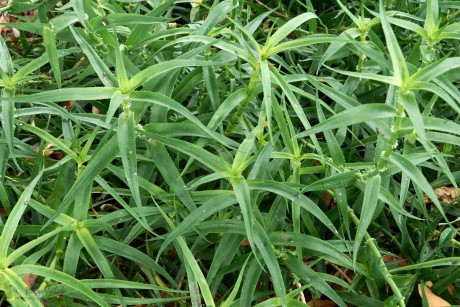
(383, 162)
(249, 95)
(383, 269)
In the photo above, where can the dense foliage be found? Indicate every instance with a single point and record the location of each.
(229, 153)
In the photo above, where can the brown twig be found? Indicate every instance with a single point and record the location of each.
(301, 294)
(341, 273)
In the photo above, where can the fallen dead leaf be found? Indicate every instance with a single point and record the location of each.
(444, 194)
(8, 32)
(327, 199)
(69, 104)
(47, 151)
(57, 155)
(95, 110)
(433, 299)
(451, 288)
(400, 262)
(245, 242)
(29, 280)
(321, 303)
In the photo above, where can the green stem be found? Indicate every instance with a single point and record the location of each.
(383, 162)
(383, 269)
(362, 56)
(4, 9)
(295, 208)
(245, 102)
(455, 242)
(60, 245)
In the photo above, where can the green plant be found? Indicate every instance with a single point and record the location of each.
(230, 153)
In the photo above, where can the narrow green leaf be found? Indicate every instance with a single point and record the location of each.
(62, 278)
(296, 105)
(65, 94)
(241, 188)
(120, 69)
(205, 157)
(392, 80)
(131, 253)
(97, 256)
(400, 71)
(267, 89)
(21, 289)
(286, 29)
(371, 197)
(405, 24)
(124, 284)
(267, 251)
(195, 268)
(8, 119)
(160, 68)
(97, 163)
(230, 299)
(432, 16)
(115, 102)
(302, 270)
(138, 33)
(6, 63)
(164, 101)
(332, 144)
(206, 210)
(170, 174)
(316, 246)
(446, 261)
(107, 188)
(304, 42)
(337, 181)
(354, 115)
(22, 250)
(407, 99)
(104, 73)
(49, 138)
(49, 41)
(434, 70)
(244, 151)
(15, 216)
(36, 63)
(417, 178)
(301, 200)
(444, 91)
(127, 148)
(226, 107)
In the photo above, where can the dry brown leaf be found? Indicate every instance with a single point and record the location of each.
(400, 262)
(444, 194)
(47, 151)
(57, 155)
(451, 288)
(321, 303)
(29, 280)
(433, 299)
(8, 32)
(95, 110)
(69, 104)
